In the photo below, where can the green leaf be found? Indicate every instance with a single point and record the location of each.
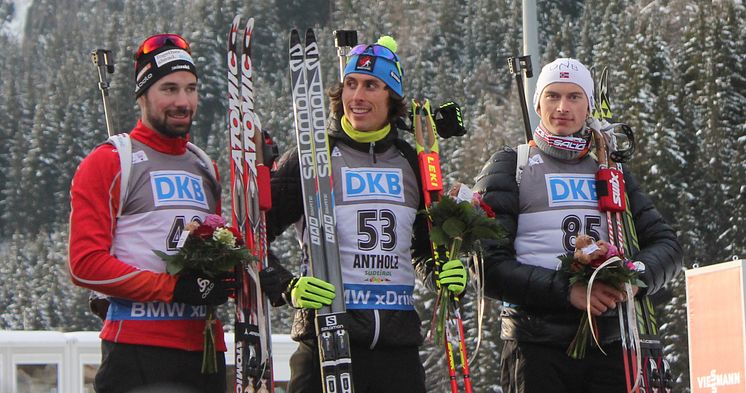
(438, 237)
(163, 255)
(466, 209)
(454, 227)
(173, 269)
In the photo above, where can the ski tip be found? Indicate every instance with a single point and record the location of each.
(248, 32)
(310, 36)
(294, 37)
(233, 32)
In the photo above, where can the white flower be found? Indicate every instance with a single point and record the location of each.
(224, 236)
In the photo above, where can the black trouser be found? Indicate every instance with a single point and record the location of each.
(384, 370)
(143, 368)
(540, 368)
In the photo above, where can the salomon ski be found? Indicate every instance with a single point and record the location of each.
(250, 195)
(320, 250)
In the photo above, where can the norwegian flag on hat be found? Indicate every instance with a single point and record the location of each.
(565, 70)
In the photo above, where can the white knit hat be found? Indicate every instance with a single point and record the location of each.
(565, 70)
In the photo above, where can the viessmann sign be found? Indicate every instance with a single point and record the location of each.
(716, 311)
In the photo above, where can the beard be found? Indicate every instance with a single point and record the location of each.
(160, 124)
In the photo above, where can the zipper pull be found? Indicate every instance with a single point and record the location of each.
(372, 151)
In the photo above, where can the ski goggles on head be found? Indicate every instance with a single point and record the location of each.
(160, 40)
(378, 51)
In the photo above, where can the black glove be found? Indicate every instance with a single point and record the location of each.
(274, 282)
(99, 304)
(197, 288)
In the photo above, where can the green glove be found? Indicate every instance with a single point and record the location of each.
(310, 292)
(453, 276)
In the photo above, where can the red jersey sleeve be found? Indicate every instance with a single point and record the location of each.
(94, 198)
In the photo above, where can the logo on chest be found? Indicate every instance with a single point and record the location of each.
(177, 188)
(360, 184)
(571, 190)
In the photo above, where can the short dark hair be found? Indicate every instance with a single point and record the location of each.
(397, 105)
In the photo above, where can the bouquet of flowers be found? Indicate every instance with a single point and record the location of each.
(593, 261)
(458, 222)
(213, 248)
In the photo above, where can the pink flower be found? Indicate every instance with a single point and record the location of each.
(214, 221)
(612, 252)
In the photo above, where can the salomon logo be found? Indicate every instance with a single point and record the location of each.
(177, 188)
(372, 183)
(180, 67)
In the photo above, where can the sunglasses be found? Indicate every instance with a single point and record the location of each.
(160, 40)
(379, 51)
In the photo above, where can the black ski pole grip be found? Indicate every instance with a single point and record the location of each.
(343, 40)
(516, 65)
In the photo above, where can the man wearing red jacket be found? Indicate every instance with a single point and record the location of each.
(153, 332)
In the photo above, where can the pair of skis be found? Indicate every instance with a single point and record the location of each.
(251, 198)
(426, 144)
(646, 368)
(320, 250)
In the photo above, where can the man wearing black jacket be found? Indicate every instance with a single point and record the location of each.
(377, 197)
(554, 202)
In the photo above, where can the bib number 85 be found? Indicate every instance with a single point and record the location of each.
(573, 226)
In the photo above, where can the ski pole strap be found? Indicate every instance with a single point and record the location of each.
(424, 140)
(427, 153)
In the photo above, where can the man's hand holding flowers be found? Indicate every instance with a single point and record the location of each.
(596, 264)
(198, 288)
(459, 222)
(207, 254)
(603, 297)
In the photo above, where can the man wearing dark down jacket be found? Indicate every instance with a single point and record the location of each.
(542, 311)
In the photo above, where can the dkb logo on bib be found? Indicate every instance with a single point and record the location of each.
(177, 188)
(571, 190)
(372, 183)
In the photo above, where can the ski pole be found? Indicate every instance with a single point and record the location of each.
(432, 188)
(516, 65)
(344, 40)
(102, 60)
